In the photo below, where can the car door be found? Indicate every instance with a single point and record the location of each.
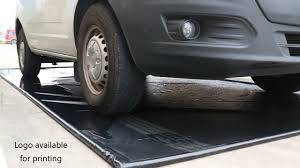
(50, 25)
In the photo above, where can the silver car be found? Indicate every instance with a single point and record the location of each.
(115, 44)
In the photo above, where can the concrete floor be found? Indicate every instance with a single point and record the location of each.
(17, 114)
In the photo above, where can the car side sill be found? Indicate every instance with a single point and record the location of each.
(54, 55)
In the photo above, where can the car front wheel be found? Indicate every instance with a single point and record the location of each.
(109, 78)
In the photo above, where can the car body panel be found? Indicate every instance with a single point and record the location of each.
(279, 11)
(48, 25)
(156, 53)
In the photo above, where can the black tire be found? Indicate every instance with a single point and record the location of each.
(278, 84)
(125, 82)
(30, 85)
(31, 63)
(76, 75)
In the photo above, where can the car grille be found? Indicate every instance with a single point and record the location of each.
(293, 44)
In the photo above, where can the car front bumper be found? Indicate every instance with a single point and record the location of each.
(261, 50)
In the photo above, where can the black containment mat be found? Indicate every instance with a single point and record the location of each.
(155, 135)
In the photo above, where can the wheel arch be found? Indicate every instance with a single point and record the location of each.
(82, 6)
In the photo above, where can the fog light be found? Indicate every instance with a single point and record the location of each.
(189, 30)
(183, 29)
